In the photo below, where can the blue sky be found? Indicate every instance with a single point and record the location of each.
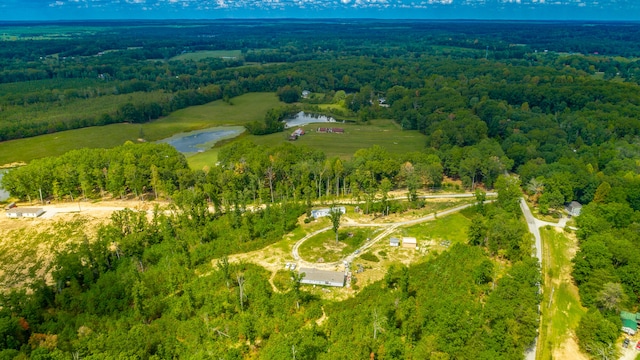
(388, 9)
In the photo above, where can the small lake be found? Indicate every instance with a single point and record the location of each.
(303, 118)
(201, 140)
(3, 194)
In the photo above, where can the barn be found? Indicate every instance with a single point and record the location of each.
(322, 277)
(19, 212)
(409, 242)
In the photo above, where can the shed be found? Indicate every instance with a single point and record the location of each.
(394, 242)
(337, 130)
(325, 212)
(322, 277)
(574, 208)
(409, 242)
(629, 322)
(18, 212)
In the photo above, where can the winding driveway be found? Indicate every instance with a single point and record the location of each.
(389, 228)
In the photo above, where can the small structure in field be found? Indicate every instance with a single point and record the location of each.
(325, 212)
(574, 208)
(322, 130)
(18, 212)
(337, 130)
(395, 242)
(629, 322)
(322, 277)
(409, 242)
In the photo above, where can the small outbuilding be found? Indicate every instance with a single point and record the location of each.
(409, 242)
(325, 212)
(629, 322)
(574, 208)
(395, 242)
(322, 277)
(19, 212)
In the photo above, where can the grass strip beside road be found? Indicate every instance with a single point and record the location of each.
(560, 308)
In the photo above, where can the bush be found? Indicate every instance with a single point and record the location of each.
(369, 257)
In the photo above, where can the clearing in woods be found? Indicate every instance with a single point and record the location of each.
(561, 308)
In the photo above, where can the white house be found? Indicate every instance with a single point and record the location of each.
(18, 212)
(325, 212)
(574, 208)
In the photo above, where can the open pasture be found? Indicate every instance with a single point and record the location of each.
(384, 133)
(244, 109)
(199, 55)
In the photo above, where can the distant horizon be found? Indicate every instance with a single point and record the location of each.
(317, 19)
(508, 10)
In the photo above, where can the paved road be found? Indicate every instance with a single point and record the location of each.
(534, 228)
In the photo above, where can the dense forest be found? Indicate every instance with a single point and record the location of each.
(131, 74)
(559, 111)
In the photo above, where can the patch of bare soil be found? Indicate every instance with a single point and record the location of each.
(28, 246)
(569, 349)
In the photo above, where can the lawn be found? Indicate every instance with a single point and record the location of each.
(384, 133)
(199, 55)
(244, 109)
(561, 308)
(451, 228)
(323, 246)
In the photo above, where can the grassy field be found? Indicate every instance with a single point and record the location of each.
(384, 133)
(324, 244)
(77, 108)
(451, 228)
(245, 108)
(561, 308)
(199, 55)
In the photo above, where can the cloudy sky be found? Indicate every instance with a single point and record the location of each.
(391, 9)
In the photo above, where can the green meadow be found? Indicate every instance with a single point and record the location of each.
(452, 227)
(384, 133)
(561, 308)
(242, 109)
(199, 55)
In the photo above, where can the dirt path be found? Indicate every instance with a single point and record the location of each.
(389, 228)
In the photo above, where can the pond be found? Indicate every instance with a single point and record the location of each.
(3, 194)
(201, 140)
(303, 118)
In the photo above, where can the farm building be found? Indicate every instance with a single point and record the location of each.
(322, 277)
(409, 242)
(574, 208)
(18, 212)
(325, 212)
(629, 322)
(337, 130)
(394, 242)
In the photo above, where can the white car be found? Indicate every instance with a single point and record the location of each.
(293, 266)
